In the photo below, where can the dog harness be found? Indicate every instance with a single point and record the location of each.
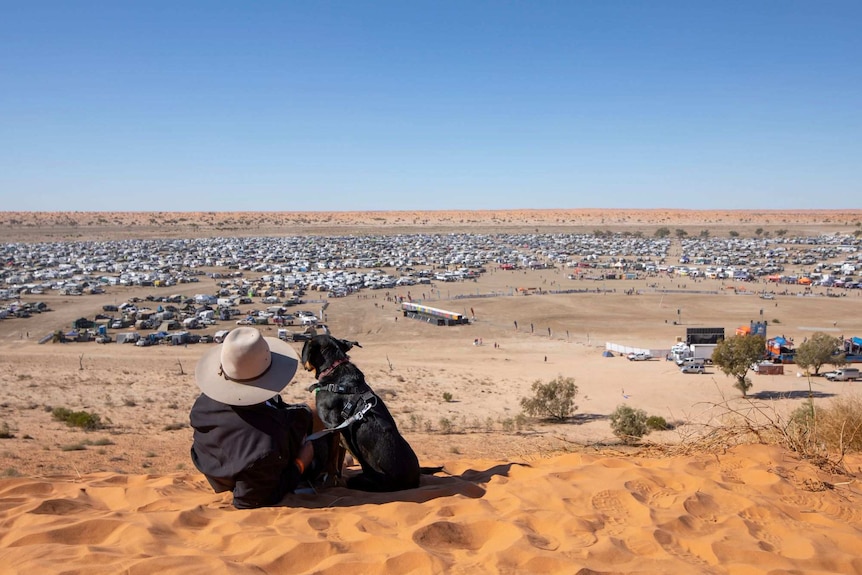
(369, 400)
(354, 410)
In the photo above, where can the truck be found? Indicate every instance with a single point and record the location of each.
(844, 374)
(703, 351)
(680, 352)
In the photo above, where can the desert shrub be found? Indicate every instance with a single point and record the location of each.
(447, 397)
(837, 426)
(415, 422)
(82, 419)
(629, 424)
(98, 442)
(445, 425)
(656, 423)
(553, 400)
(6, 431)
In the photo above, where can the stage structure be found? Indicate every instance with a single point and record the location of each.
(432, 314)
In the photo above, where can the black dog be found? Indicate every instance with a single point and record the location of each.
(388, 462)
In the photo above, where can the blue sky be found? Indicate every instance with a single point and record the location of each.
(430, 105)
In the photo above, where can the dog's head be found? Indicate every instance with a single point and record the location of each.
(322, 351)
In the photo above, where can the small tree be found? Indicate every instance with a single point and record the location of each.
(735, 355)
(629, 424)
(820, 349)
(680, 233)
(662, 232)
(553, 400)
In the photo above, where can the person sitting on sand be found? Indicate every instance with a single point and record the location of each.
(246, 438)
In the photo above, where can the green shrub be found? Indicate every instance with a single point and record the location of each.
(629, 424)
(447, 397)
(656, 423)
(445, 426)
(82, 419)
(553, 400)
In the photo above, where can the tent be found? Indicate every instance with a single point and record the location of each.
(607, 353)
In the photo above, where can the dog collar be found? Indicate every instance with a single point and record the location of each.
(332, 367)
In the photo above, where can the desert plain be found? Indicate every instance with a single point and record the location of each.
(517, 495)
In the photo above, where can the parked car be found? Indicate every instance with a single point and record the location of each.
(692, 368)
(844, 374)
(640, 356)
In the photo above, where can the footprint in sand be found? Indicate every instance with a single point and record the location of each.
(809, 502)
(764, 525)
(90, 532)
(612, 510)
(60, 507)
(652, 494)
(448, 536)
(673, 547)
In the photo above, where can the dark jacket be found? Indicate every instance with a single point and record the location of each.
(250, 450)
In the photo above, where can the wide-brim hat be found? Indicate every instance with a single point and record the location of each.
(247, 368)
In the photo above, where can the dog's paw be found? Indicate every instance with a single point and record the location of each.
(328, 480)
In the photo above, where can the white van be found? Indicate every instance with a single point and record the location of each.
(844, 374)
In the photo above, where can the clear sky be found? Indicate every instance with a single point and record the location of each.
(427, 105)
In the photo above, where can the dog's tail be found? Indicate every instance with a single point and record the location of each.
(430, 470)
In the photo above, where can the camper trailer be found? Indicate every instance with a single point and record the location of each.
(131, 337)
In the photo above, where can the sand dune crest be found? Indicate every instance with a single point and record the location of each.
(753, 509)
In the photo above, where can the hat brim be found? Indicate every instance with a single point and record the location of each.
(284, 365)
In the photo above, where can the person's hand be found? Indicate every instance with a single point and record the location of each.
(306, 454)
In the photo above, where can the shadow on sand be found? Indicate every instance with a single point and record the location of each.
(430, 487)
(796, 394)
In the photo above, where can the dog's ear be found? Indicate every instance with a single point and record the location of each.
(306, 352)
(346, 345)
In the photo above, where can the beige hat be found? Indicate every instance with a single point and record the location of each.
(247, 368)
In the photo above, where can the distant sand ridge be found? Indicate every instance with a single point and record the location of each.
(16, 226)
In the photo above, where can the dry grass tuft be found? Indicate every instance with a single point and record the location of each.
(822, 434)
